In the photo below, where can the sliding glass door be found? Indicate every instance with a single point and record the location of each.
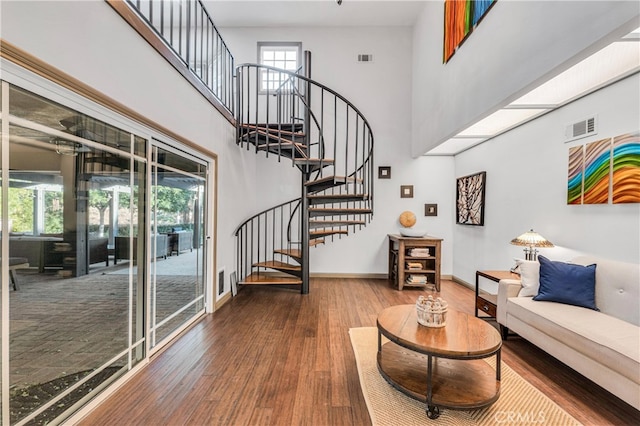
(177, 268)
(102, 254)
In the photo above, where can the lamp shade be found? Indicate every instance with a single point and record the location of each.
(532, 239)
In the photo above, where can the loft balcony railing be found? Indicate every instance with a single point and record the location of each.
(188, 30)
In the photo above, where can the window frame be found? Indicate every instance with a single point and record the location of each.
(278, 46)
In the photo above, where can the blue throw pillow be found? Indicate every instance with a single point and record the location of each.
(567, 283)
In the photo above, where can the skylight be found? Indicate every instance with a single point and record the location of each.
(501, 121)
(610, 64)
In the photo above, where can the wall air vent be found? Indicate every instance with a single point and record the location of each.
(582, 128)
(220, 281)
(365, 57)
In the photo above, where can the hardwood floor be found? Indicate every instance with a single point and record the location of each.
(275, 357)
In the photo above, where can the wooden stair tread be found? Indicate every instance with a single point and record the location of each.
(275, 264)
(339, 179)
(339, 196)
(279, 142)
(284, 145)
(327, 182)
(328, 232)
(267, 279)
(314, 160)
(336, 198)
(317, 211)
(274, 128)
(295, 253)
(298, 149)
(329, 223)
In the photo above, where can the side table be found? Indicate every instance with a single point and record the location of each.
(487, 302)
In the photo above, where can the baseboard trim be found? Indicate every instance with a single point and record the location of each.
(463, 282)
(374, 276)
(348, 275)
(220, 302)
(383, 276)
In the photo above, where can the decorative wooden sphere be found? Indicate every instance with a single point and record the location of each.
(407, 219)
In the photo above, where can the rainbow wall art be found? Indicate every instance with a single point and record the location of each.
(460, 18)
(608, 169)
(597, 159)
(626, 169)
(576, 161)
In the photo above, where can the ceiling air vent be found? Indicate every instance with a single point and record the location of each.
(582, 128)
(365, 57)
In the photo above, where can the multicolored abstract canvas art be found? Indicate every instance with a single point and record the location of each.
(597, 159)
(576, 163)
(605, 170)
(460, 17)
(626, 169)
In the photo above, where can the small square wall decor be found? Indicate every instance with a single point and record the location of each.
(431, 210)
(384, 172)
(406, 191)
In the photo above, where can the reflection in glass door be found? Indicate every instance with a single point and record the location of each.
(177, 241)
(105, 239)
(67, 321)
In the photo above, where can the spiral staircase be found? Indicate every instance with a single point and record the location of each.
(290, 116)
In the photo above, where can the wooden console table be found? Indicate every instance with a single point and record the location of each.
(401, 257)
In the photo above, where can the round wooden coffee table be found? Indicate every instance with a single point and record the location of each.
(442, 367)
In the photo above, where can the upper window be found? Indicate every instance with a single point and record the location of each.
(283, 55)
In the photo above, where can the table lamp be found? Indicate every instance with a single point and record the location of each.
(531, 240)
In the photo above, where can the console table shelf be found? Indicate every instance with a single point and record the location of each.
(424, 267)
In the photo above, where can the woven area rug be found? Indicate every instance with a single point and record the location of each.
(519, 403)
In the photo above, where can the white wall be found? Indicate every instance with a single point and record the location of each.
(527, 171)
(516, 44)
(382, 91)
(92, 43)
(89, 41)
(515, 47)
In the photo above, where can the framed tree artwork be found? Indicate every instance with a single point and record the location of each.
(470, 199)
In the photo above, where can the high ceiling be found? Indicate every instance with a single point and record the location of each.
(315, 13)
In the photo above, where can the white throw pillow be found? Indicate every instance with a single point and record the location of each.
(529, 277)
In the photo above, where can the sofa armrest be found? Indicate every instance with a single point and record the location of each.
(506, 288)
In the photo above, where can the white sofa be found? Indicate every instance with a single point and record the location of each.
(601, 345)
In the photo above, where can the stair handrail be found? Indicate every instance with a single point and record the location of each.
(292, 74)
(279, 88)
(258, 245)
(272, 126)
(235, 233)
(315, 120)
(313, 82)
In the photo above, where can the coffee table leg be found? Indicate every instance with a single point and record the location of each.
(498, 374)
(433, 412)
(379, 341)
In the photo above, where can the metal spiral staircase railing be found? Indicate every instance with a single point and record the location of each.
(289, 115)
